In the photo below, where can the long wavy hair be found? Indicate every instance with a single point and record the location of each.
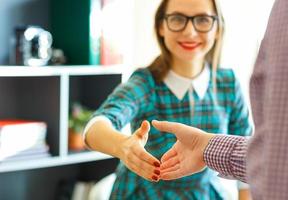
(162, 64)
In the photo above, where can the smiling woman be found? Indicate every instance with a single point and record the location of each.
(245, 23)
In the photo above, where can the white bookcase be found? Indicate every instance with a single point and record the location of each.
(45, 94)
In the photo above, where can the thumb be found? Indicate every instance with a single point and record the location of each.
(165, 126)
(143, 130)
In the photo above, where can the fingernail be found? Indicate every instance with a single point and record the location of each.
(155, 178)
(157, 172)
(156, 164)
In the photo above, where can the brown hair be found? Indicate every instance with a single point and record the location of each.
(161, 65)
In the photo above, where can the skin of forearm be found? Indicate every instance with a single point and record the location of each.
(102, 137)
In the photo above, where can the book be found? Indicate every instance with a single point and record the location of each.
(37, 152)
(20, 135)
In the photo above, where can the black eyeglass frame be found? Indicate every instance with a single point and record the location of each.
(190, 18)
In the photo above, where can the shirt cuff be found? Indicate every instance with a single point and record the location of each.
(88, 126)
(219, 155)
(242, 186)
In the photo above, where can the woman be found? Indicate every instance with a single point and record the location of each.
(183, 85)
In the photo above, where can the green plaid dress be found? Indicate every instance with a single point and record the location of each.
(141, 97)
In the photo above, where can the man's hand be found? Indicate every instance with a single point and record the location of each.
(186, 155)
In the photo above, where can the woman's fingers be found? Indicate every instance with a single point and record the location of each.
(137, 158)
(144, 169)
(144, 129)
(133, 167)
(142, 154)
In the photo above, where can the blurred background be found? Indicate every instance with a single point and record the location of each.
(88, 36)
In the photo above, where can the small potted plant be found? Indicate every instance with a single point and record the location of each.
(78, 118)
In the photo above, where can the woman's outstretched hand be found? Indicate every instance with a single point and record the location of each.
(186, 155)
(136, 158)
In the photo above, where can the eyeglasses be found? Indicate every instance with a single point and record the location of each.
(201, 23)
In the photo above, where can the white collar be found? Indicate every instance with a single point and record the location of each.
(180, 85)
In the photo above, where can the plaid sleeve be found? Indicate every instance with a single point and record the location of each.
(227, 155)
(239, 123)
(128, 99)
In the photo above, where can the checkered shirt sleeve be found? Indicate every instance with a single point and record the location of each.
(227, 155)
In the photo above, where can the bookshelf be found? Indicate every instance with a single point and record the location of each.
(45, 94)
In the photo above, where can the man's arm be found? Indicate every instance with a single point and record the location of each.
(196, 149)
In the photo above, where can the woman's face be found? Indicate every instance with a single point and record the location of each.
(189, 44)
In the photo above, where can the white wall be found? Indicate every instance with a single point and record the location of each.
(145, 44)
(245, 25)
